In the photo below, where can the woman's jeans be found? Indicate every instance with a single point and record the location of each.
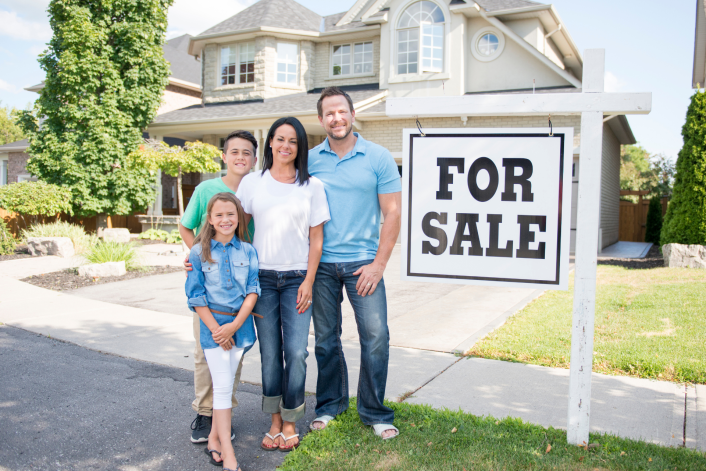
(284, 336)
(371, 318)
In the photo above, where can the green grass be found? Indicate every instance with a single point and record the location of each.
(104, 252)
(648, 323)
(82, 241)
(426, 442)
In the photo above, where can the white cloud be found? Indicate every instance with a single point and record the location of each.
(31, 10)
(195, 16)
(16, 27)
(7, 87)
(613, 83)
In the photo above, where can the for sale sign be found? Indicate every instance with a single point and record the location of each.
(487, 206)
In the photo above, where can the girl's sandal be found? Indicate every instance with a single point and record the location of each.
(285, 448)
(274, 445)
(210, 457)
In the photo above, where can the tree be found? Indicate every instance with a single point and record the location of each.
(35, 199)
(9, 130)
(653, 226)
(639, 170)
(105, 75)
(176, 160)
(685, 221)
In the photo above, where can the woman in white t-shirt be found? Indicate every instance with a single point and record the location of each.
(289, 208)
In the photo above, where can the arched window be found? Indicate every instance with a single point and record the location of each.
(423, 20)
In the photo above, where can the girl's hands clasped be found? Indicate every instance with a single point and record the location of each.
(304, 295)
(223, 335)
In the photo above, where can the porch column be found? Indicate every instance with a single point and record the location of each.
(156, 208)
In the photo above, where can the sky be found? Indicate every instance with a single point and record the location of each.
(649, 48)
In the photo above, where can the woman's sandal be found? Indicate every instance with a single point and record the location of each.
(381, 428)
(237, 468)
(274, 445)
(210, 457)
(324, 419)
(286, 448)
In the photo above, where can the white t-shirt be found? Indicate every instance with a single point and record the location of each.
(283, 214)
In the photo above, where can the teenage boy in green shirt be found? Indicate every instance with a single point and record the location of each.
(240, 155)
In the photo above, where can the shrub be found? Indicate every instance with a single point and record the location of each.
(104, 252)
(174, 237)
(36, 199)
(154, 234)
(685, 221)
(7, 241)
(81, 240)
(653, 227)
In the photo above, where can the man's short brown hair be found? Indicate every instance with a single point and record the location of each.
(332, 91)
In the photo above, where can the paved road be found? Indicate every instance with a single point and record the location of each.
(63, 407)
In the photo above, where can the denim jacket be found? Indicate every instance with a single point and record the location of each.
(223, 286)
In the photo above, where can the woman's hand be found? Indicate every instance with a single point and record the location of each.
(304, 295)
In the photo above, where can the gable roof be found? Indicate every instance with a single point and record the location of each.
(183, 66)
(286, 14)
(15, 146)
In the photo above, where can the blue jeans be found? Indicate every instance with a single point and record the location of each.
(371, 317)
(284, 338)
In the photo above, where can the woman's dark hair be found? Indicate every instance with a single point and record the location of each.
(301, 161)
(208, 232)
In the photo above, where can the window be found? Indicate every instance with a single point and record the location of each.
(359, 62)
(488, 44)
(423, 20)
(3, 172)
(287, 61)
(238, 64)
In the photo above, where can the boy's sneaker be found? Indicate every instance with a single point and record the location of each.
(201, 427)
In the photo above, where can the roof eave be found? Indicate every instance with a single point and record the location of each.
(622, 130)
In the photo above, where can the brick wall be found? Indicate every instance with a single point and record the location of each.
(175, 98)
(16, 165)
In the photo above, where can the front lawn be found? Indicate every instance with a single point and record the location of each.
(649, 323)
(442, 440)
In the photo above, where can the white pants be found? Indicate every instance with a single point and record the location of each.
(223, 366)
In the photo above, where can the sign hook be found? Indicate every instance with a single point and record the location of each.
(419, 126)
(551, 130)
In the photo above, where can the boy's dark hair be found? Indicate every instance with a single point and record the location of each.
(240, 134)
(301, 161)
(332, 91)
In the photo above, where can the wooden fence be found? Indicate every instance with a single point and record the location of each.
(633, 216)
(16, 222)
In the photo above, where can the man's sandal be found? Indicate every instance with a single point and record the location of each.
(286, 448)
(210, 457)
(274, 445)
(381, 428)
(325, 419)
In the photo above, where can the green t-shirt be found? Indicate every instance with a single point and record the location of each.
(195, 212)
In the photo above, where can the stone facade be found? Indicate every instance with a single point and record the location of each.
(324, 77)
(16, 165)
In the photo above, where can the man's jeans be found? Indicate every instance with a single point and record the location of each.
(282, 330)
(371, 317)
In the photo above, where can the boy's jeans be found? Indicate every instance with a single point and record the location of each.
(283, 334)
(371, 318)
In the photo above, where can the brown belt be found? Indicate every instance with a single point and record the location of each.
(234, 313)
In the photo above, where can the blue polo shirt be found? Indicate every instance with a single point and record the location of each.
(352, 186)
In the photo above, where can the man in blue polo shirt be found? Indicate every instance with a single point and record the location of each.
(361, 180)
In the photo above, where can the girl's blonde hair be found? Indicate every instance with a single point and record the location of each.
(208, 231)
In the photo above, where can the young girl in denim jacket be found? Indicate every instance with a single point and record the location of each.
(222, 289)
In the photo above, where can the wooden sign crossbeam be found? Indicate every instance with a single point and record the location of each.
(592, 103)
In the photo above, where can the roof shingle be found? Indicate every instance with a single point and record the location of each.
(183, 66)
(286, 14)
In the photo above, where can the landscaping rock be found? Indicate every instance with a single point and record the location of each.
(98, 270)
(59, 246)
(686, 256)
(121, 235)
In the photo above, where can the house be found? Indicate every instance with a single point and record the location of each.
(698, 77)
(273, 58)
(184, 89)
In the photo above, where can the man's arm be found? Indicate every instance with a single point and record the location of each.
(370, 275)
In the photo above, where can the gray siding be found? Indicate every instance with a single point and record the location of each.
(610, 188)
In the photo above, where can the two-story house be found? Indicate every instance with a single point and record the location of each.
(271, 60)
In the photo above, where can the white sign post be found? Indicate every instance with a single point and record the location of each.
(592, 104)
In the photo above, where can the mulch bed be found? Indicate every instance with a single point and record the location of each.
(69, 279)
(653, 259)
(21, 251)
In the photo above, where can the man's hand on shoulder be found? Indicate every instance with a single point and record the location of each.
(370, 276)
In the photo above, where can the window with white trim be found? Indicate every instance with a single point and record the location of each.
(420, 21)
(352, 59)
(3, 172)
(287, 63)
(238, 64)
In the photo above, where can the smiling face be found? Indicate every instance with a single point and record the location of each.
(224, 218)
(239, 156)
(284, 145)
(336, 117)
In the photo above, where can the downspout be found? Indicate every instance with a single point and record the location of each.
(525, 45)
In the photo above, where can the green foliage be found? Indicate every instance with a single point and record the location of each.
(105, 75)
(7, 241)
(174, 237)
(81, 240)
(641, 171)
(159, 234)
(9, 130)
(104, 252)
(654, 221)
(173, 160)
(685, 221)
(36, 198)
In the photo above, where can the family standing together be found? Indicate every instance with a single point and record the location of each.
(270, 251)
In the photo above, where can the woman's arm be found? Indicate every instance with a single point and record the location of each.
(316, 244)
